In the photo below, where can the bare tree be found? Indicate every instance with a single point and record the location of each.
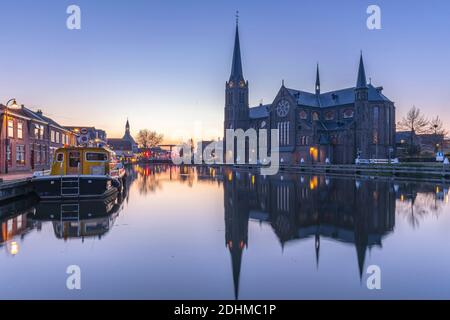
(147, 139)
(414, 122)
(436, 128)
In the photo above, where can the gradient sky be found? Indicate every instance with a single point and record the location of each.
(164, 64)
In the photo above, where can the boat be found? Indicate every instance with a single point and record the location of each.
(80, 172)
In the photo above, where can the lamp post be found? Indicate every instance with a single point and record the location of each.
(5, 116)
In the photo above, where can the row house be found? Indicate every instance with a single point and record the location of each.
(28, 139)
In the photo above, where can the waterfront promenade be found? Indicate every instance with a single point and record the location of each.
(15, 176)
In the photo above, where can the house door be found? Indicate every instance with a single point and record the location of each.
(73, 163)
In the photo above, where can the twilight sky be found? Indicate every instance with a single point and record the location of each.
(163, 64)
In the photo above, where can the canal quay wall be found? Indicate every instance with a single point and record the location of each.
(15, 188)
(417, 171)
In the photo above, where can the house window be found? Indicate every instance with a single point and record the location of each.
(19, 130)
(57, 137)
(10, 128)
(52, 135)
(20, 155)
(39, 131)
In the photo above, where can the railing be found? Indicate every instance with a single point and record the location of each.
(42, 173)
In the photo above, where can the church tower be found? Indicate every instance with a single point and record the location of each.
(362, 113)
(236, 92)
(317, 88)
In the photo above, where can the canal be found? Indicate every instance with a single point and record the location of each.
(204, 233)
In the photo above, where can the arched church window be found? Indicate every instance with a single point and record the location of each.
(315, 116)
(303, 115)
(348, 113)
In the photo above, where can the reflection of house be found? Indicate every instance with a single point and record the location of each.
(16, 225)
(358, 213)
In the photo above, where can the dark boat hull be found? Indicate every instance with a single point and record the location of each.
(73, 187)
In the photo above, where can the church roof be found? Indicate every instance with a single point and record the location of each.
(236, 68)
(259, 112)
(120, 144)
(334, 98)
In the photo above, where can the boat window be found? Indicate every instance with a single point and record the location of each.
(74, 159)
(96, 156)
(60, 157)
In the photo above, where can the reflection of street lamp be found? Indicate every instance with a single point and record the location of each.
(5, 116)
(13, 248)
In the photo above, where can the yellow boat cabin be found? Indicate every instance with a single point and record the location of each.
(83, 161)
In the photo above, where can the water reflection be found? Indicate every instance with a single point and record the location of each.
(78, 219)
(296, 209)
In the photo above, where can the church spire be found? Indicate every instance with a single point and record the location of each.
(127, 126)
(236, 69)
(317, 80)
(361, 82)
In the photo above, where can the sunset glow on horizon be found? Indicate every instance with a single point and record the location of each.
(163, 64)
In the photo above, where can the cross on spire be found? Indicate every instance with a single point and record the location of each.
(237, 17)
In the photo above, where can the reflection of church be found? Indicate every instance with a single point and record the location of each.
(348, 211)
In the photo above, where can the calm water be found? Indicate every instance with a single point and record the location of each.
(185, 233)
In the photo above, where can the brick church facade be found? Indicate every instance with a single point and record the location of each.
(314, 126)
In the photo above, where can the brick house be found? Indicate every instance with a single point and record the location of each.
(32, 137)
(15, 129)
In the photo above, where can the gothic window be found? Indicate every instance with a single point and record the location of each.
(303, 115)
(315, 116)
(304, 140)
(348, 113)
(329, 115)
(376, 114)
(283, 129)
(388, 124)
(375, 136)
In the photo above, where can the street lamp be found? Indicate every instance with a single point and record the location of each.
(5, 116)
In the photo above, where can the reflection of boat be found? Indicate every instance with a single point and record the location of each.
(79, 219)
(80, 172)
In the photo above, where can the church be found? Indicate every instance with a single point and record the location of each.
(316, 127)
(125, 147)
